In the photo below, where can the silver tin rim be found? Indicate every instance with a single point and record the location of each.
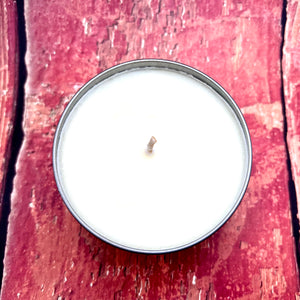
(158, 64)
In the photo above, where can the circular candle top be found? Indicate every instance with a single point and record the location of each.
(160, 200)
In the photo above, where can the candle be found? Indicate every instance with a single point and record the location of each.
(152, 156)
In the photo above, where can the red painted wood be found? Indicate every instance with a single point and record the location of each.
(49, 255)
(291, 72)
(8, 83)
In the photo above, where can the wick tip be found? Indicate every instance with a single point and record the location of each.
(151, 143)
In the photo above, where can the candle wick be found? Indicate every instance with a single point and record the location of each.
(151, 144)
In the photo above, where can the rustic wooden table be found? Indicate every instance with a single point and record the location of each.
(251, 48)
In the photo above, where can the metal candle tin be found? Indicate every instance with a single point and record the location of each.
(156, 64)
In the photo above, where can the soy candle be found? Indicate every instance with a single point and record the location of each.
(152, 156)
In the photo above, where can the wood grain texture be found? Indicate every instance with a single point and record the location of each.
(49, 255)
(291, 77)
(8, 83)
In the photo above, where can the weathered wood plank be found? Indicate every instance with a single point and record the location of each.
(8, 83)
(49, 255)
(291, 77)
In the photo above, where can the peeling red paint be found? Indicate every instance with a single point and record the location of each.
(49, 255)
(8, 84)
(291, 72)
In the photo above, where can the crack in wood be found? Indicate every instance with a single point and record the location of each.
(291, 183)
(17, 134)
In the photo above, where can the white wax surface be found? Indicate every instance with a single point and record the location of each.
(152, 202)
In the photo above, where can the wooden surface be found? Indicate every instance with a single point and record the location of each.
(291, 76)
(50, 256)
(8, 84)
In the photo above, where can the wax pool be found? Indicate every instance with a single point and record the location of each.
(153, 201)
